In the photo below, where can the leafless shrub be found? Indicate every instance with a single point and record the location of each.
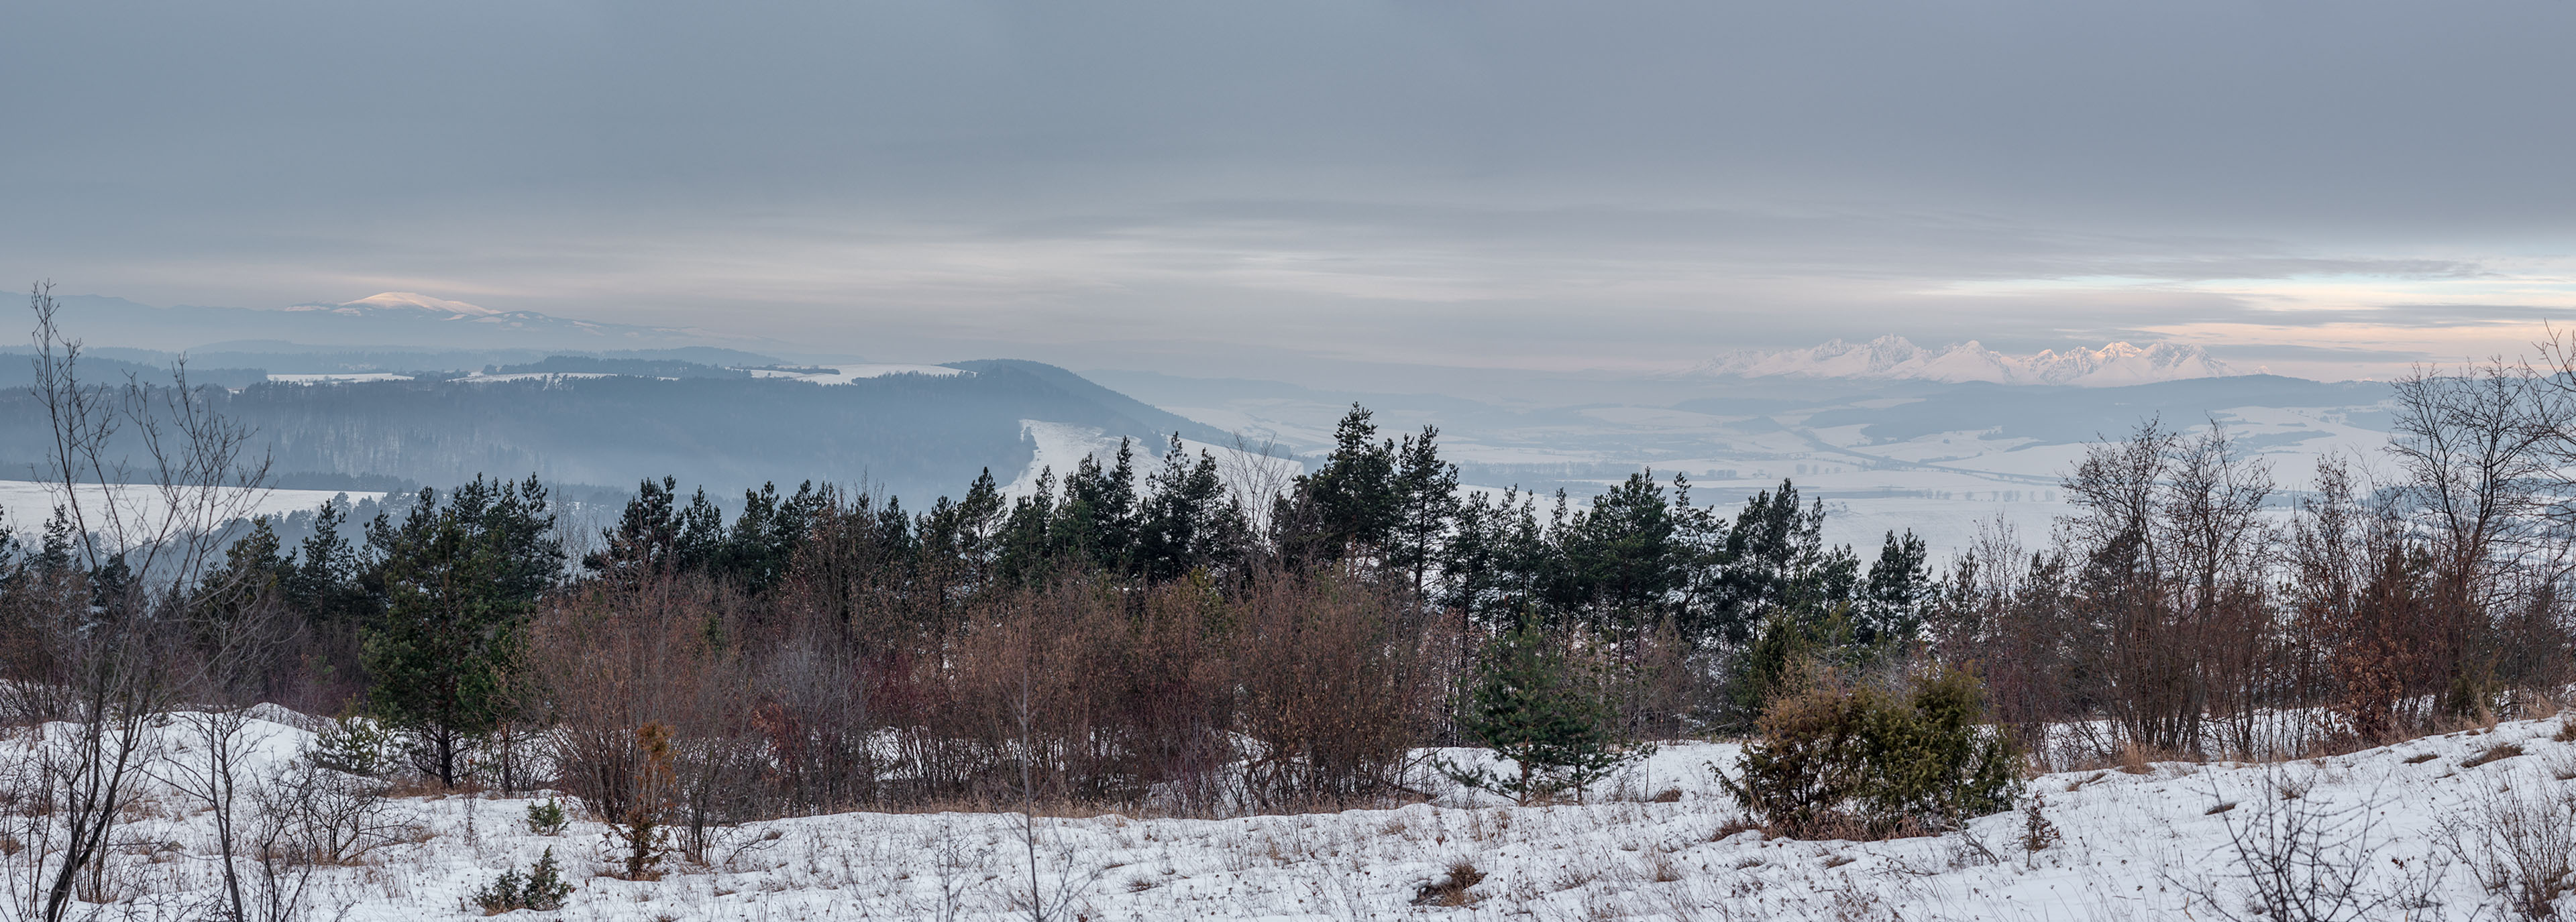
(309, 815)
(2562, 765)
(2519, 839)
(2300, 859)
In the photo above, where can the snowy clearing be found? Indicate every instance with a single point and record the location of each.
(338, 378)
(2134, 846)
(28, 503)
(844, 374)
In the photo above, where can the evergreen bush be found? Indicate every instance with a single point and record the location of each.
(542, 888)
(1863, 762)
(1539, 709)
(547, 818)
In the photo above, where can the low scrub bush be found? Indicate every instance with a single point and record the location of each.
(547, 818)
(1863, 762)
(542, 888)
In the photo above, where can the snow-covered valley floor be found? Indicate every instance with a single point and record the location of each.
(2409, 820)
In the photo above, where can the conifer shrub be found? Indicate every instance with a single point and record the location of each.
(1861, 762)
(354, 745)
(547, 818)
(542, 888)
(1544, 711)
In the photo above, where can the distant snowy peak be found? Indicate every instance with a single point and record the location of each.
(402, 301)
(1893, 357)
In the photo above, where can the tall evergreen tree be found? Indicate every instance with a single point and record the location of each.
(1187, 520)
(1775, 559)
(1622, 563)
(1426, 493)
(1095, 522)
(461, 579)
(1350, 505)
(1900, 584)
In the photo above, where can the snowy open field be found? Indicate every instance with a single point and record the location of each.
(844, 374)
(28, 503)
(2151, 845)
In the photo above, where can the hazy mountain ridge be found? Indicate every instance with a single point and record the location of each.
(914, 435)
(414, 320)
(1894, 357)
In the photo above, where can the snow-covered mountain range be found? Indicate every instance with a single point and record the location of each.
(1894, 357)
(402, 301)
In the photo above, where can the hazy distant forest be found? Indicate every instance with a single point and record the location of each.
(1157, 635)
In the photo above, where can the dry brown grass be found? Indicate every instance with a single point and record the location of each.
(1452, 888)
(2496, 753)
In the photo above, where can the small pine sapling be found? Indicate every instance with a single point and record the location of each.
(542, 889)
(2036, 831)
(1535, 708)
(353, 745)
(547, 818)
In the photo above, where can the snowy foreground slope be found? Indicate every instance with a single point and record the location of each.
(2134, 846)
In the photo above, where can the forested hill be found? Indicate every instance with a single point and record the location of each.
(916, 436)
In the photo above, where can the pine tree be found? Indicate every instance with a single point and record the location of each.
(1900, 582)
(1350, 506)
(1545, 713)
(1426, 491)
(1186, 520)
(461, 580)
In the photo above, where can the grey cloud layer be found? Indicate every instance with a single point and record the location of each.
(1353, 180)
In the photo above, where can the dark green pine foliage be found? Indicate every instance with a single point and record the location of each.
(54, 555)
(960, 540)
(1891, 602)
(762, 545)
(13, 556)
(1095, 521)
(1626, 563)
(1537, 708)
(656, 537)
(460, 579)
(1489, 563)
(1775, 560)
(1187, 521)
(238, 602)
(1349, 506)
(328, 581)
(1022, 559)
(1426, 498)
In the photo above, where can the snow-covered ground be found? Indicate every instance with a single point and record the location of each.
(28, 503)
(2154, 845)
(481, 378)
(337, 378)
(844, 374)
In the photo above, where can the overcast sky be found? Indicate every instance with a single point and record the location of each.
(1216, 188)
